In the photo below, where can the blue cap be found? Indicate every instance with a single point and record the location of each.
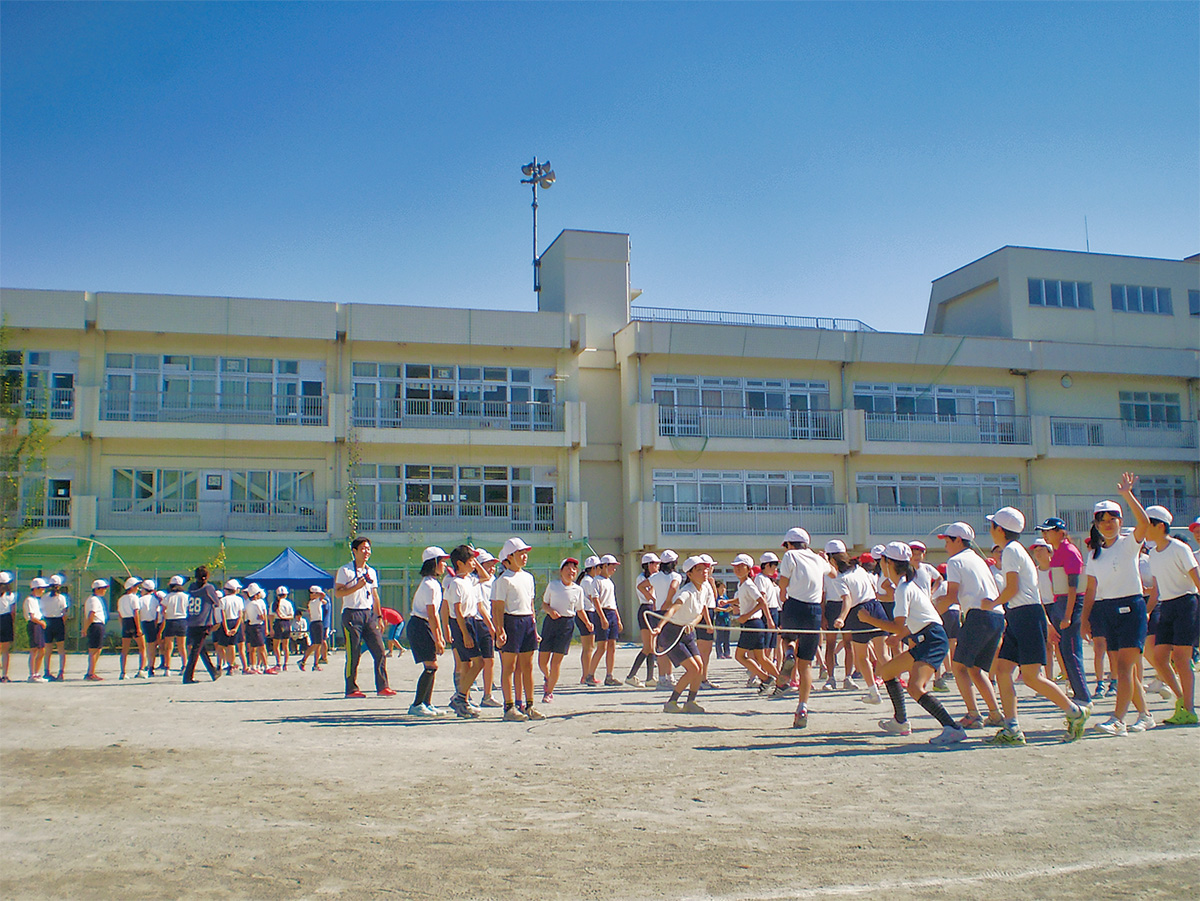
(1052, 523)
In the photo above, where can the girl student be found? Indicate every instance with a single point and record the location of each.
(1175, 571)
(607, 621)
(1025, 630)
(856, 596)
(665, 582)
(830, 612)
(8, 600)
(424, 629)
(469, 634)
(587, 631)
(755, 618)
(562, 602)
(705, 634)
(1114, 607)
(918, 624)
(127, 609)
(517, 637)
(645, 591)
(764, 581)
(676, 632)
(95, 611)
(485, 575)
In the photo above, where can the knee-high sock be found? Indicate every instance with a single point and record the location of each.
(935, 709)
(424, 687)
(896, 693)
(637, 661)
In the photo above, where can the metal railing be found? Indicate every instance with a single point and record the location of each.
(744, 422)
(42, 403)
(742, 519)
(714, 317)
(399, 413)
(1084, 432)
(459, 518)
(158, 406)
(958, 428)
(150, 514)
(43, 513)
(925, 521)
(1076, 509)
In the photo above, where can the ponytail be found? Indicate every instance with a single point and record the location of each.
(1096, 540)
(904, 569)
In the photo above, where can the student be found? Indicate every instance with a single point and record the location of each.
(424, 629)
(721, 624)
(281, 624)
(918, 624)
(562, 602)
(676, 632)
(607, 622)
(646, 605)
(587, 632)
(127, 610)
(357, 585)
(203, 616)
(256, 628)
(8, 600)
(764, 581)
(1025, 632)
(1114, 606)
(485, 575)
(35, 628)
(1066, 566)
(512, 611)
(469, 635)
(1178, 630)
(1040, 552)
(55, 605)
(150, 618)
(755, 619)
(231, 635)
(705, 635)
(831, 610)
(801, 578)
(665, 582)
(316, 627)
(856, 590)
(95, 615)
(174, 628)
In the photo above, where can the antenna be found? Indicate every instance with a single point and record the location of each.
(1087, 242)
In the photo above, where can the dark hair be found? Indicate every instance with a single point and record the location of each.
(646, 570)
(429, 566)
(461, 554)
(359, 542)
(843, 561)
(1009, 535)
(796, 545)
(1096, 540)
(904, 569)
(667, 566)
(201, 572)
(1158, 522)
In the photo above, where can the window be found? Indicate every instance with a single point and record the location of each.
(159, 491)
(943, 401)
(1164, 490)
(1046, 292)
(1151, 409)
(1141, 299)
(738, 395)
(745, 489)
(264, 491)
(1194, 303)
(975, 491)
(41, 383)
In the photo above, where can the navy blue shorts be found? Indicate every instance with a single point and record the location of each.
(646, 622)
(6, 628)
(420, 639)
(129, 627)
(229, 640)
(56, 629)
(174, 628)
(853, 624)
(832, 610)
(704, 633)
(1179, 624)
(481, 637)
(282, 629)
(150, 630)
(316, 632)
(754, 640)
(801, 617)
(520, 634)
(584, 631)
(256, 635)
(930, 645)
(556, 634)
(1024, 635)
(979, 638)
(889, 609)
(1152, 622)
(950, 622)
(609, 632)
(684, 648)
(1124, 622)
(36, 633)
(95, 636)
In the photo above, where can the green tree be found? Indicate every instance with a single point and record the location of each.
(24, 440)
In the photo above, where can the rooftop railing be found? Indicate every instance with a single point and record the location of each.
(157, 406)
(1085, 432)
(770, 320)
(407, 413)
(959, 428)
(820, 425)
(1076, 509)
(742, 519)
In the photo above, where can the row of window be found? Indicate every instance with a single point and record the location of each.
(288, 486)
(1068, 295)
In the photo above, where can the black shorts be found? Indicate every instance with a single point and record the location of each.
(36, 633)
(6, 628)
(644, 621)
(752, 638)
(950, 622)
(520, 633)
(864, 632)
(1024, 640)
(420, 639)
(704, 633)
(150, 630)
(556, 634)
(684, 648)
(174, 628)
(56, 629)
(1124, 621)
(129, 627)
(607, 632)
(316, 632)
(282, 630)
(256, 635)
(832, 610)
(584, 631)
(801, 622)
(481, 638)
(979, 638)
(95, 636)
(1179, 623)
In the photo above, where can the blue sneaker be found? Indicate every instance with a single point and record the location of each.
(1111, 691)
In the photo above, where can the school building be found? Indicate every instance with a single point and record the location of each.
(181, 426)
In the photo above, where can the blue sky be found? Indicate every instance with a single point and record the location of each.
(806, 158)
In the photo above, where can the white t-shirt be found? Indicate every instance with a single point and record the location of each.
(148, 608)
(516, 590)
(565, 600)
(127, 605)
(95, 606)
(55, 604)
(607, 593)
(662, 582)
(428, 593)
(587, 586)
(316, 606)
(768, 589)
(462, 591)
(7, 602)
(232, 606)
(858, 584)
(361, 598)
(830, 590)
(643, 583)
(914, 605)
(176, 605)
(1116, 571)
(805, 572)
(1171, 566)
(748, 596)
(975, 581)
(284, 609)
(1045, 586)
(926, 574)
(256, 611)
(33, 608)
(692, 601)
(1015, 559)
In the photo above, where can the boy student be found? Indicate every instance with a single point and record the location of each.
(512, 613)
(485, 575)
(35, 628)
(174, 627)
(127, 609)
(231, 635)
(801, 580)
(1024, 642)
(316, 627)
(470, 635)
(55, 605)
(562, 603)
(256, 628)
(95, 613)
(356, 585)
(607, 621)
(424, 628)
(970, 584)
(149, 613)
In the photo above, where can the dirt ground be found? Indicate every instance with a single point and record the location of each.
(278, 787)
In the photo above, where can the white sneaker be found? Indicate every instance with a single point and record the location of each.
(849, 684)
(139, 675)
(1143, 723)
(894, 728)
(664, 683)
(635, 682)
(1112, 727)
(872, 696)
(949, 735)
(752, 682)
(831, 685)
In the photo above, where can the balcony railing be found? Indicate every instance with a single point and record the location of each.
(398, 413)
(959, 428)
(740, 519)
(922, 521)
(1078, 432)
(150, 514)
(713, 317)
(1076, 509)
(45, 513)
(459, 518)
(43, 403)
(741, 422)
(277, 409)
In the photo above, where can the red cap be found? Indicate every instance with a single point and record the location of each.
(866, 557)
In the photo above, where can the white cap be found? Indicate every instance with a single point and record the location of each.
(56, 579)
(668, 556)
(281, 591)
(797, 535)
(833, 546)
(161, 595)
(175, 580)
(484, 556)
(1009, 518)
(877, 551)
(768, 557)
(252, 590)
(565, 560)
(233, 585)
(512, 546)
(38, 582)
(1107, 507)
(5, 577)
(609, 558)
(433, 552)
(743, 560)
(131, 582)
(692, 562)
(1041, 542)
(707, 559)
(316, 589)
(149, 585)
(918, 545)
(650, 558)
(98, 584)
(898, 551)
(1162, 514)
(956, 530)
(591, 561)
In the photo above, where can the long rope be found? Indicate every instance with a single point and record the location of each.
(775, 631)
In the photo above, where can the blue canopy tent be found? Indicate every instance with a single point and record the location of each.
(296, 574)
